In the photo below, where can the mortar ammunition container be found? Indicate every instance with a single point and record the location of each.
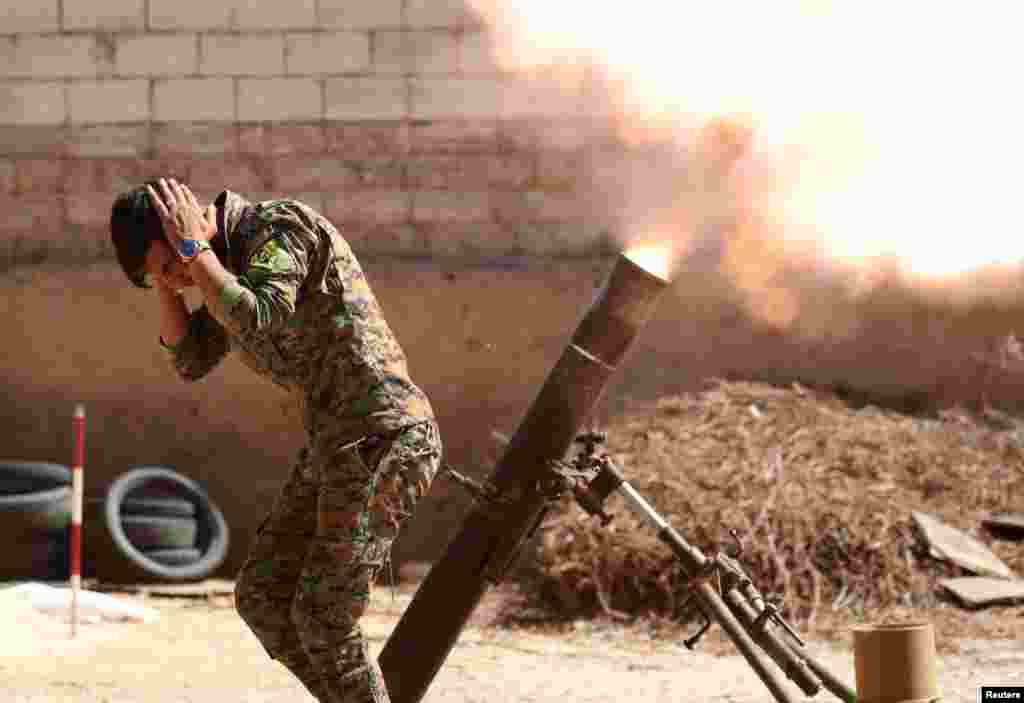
(895, 663)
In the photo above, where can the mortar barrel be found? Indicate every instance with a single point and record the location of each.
(431, 624)
(621, 308)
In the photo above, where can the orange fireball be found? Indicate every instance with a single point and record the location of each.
(882, 122)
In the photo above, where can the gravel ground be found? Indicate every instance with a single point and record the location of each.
(199, 651)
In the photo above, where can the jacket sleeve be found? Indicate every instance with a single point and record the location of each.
(203, 347)
(264, 296)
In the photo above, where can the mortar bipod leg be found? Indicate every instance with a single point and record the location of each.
(711, 604)
(754, 604)
(833, 683)
(796, 668)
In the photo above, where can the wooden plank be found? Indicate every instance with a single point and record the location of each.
(953, 545)
(1006, 525)
(200, 589)
(978, 591)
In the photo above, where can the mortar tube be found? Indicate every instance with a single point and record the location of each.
(430, 626)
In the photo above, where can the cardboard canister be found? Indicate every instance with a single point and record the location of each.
(895, 663)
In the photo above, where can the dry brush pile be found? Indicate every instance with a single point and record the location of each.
(819, 493)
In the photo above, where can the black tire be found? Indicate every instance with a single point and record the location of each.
(46, 511)
(31, 476)
(158, 506)
(150, 505)
(159, 532)
(37, 558)
(110, 553)
(175, 557)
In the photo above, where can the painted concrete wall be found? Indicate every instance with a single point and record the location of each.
(480, 338)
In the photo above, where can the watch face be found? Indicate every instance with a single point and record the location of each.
(188, 247)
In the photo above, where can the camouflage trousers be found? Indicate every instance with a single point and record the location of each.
(309, 573)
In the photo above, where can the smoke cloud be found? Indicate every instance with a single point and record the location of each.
(817, 157)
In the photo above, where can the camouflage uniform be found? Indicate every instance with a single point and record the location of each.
(302, 314)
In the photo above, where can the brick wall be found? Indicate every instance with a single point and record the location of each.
(391, 116)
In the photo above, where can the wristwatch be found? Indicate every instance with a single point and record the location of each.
(189, 249)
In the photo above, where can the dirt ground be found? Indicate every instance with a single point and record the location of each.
(199, 651)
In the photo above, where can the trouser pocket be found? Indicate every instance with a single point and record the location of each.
(402, 476)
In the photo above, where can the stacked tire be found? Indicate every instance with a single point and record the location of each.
(153, 525)
(35, 512)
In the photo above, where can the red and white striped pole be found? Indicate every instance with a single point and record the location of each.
(77, 487)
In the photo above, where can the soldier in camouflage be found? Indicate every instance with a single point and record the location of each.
(282, 288)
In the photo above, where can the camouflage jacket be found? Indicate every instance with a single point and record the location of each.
(302, 314)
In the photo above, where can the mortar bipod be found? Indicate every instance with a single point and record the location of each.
(749, 621)
(757, 616)
(753, 604)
